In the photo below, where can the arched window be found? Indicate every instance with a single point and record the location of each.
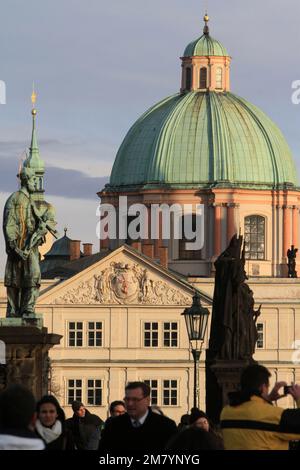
(188, 79)
(41, 183)
(255, 232)
(203, 78)
(219, 78)
(185, 254)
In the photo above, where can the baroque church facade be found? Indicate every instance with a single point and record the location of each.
(119, 309)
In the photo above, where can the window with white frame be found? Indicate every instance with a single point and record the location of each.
(75, 334)
(163, 392)
(255, 237)
(94, 392)
(170, 334)
(260, 335)
(153, 384)
(161, 334)
(74, 390)
(170, 392)
(87, 334)
(94, 334)
(151, 334)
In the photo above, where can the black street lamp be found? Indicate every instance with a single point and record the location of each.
(196, 319)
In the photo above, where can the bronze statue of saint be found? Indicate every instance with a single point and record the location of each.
(24, 231)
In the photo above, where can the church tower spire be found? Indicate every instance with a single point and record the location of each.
(34, 160)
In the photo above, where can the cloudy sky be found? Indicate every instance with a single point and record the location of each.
(98, 65)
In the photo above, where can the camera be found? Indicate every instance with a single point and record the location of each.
(286, 389)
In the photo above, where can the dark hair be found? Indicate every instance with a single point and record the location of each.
(192, 440)
(252, 378)
(114, 404)
(17, 407)
(145, 387)
(185, 419)
(196, 414)
(76, 405)
(51, 399)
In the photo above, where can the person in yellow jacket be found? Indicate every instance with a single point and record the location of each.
(252, 422)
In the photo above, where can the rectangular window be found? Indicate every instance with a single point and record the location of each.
(170, 392)
(94, 334)
(153, 384)
(260, 336)
(94, 392)
(189, 220)
(203, 78)
(170, 334)
(131, 218)
(74, 390)
(188, 78)
(255, 237)
(151, 334)
(219, 77)
(75, 334)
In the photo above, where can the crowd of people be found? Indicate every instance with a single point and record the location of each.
(249, 422)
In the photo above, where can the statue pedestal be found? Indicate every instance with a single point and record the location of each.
(284, 268)
(27, 344)
(222, 377)
(28, 320)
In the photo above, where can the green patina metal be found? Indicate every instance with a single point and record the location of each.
(34, 160)
(199, 139)
(205, 46)
(33, 320)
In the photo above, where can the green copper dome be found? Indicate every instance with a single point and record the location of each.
(205, 46)
(198, 139)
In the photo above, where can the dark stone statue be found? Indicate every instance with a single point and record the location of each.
(233, 330)
(24, 231)
(291, 254)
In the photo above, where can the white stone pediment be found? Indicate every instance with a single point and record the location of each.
(123, 277)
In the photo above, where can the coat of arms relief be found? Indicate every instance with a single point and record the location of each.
(123, 283)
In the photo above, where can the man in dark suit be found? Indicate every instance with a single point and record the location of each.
(139, 429)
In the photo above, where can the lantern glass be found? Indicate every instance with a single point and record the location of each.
(196, 318)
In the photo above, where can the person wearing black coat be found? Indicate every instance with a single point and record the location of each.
(50, 425)
(140, 429)
(85, 427)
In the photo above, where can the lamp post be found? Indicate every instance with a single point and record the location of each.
(196, 319)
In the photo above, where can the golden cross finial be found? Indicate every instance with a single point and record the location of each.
(33, 100)
(206, 17)
(206, 20)
(33, 96)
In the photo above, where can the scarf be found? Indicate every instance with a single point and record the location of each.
(49, 434)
